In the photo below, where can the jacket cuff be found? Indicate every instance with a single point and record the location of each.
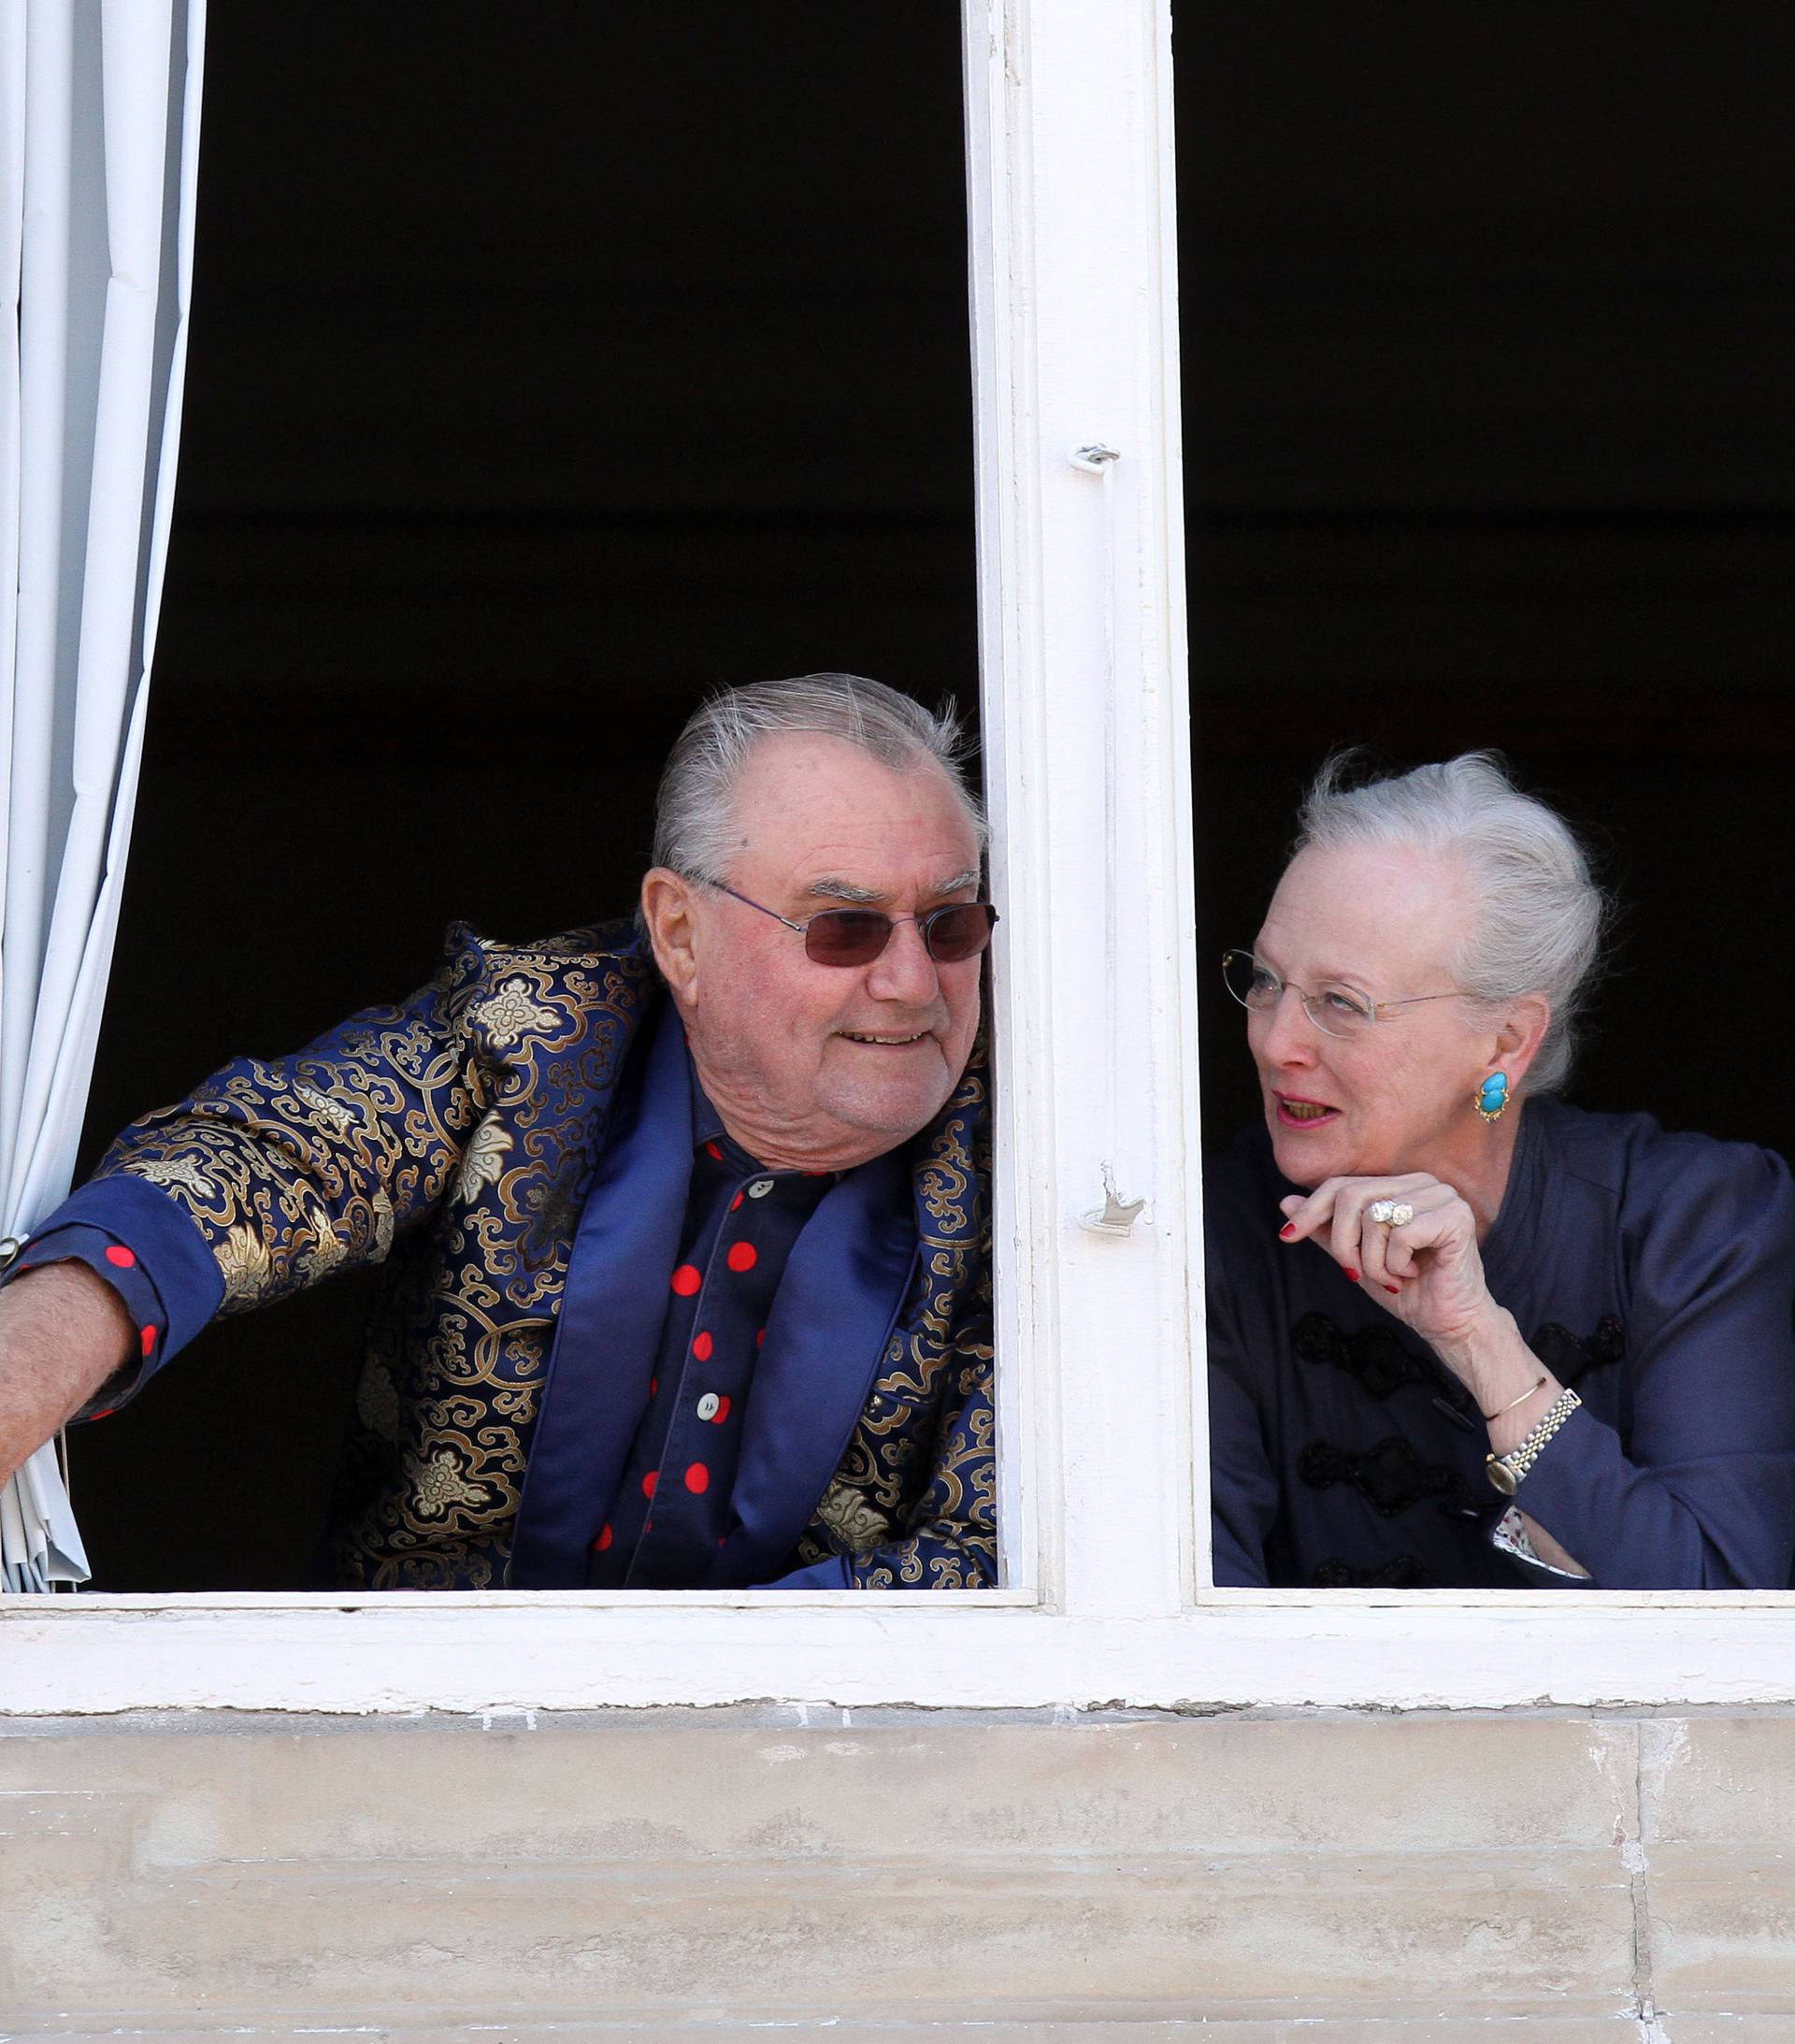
(1508, 1536)
(170, 1251)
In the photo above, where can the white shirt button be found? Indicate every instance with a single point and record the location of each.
(760, 1188)
(709, 1405)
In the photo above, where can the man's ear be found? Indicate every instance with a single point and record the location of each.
(1522, 1033)
(670, 910)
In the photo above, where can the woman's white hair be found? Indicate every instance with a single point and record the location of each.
(694, 827)
(1541, 917)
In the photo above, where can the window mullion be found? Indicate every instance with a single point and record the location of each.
(1081, 547)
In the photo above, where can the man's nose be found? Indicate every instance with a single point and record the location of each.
(904, 971)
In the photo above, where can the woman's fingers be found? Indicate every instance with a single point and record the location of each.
(1387, 1253)
(1335, 1214)
(1304, 1214)
(1310, 1214)
(1432, 1223)
(1349, 1234)
(1417, 1268)
(1328, 1216)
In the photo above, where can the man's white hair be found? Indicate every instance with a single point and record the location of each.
(694, 822)
(1541, 917)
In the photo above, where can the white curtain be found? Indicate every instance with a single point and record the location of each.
(99, 131)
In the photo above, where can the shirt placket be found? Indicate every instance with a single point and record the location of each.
(671, 1512)
(694, 1481)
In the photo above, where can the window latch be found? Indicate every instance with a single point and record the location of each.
(1117, 1216)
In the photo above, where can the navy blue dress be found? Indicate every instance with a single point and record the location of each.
(1655, 1274)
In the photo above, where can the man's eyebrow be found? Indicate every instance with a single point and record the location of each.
(838, 889)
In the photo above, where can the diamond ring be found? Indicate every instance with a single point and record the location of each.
(1391, 1212)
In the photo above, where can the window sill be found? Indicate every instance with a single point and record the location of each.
(1237, 1650)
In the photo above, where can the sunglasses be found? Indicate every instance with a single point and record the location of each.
(858, 936)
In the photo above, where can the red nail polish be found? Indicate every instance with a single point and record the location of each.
(1288, 1229)
(1352, 1276)
(1393, 1288)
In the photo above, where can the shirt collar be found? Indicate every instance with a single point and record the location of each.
(707, 1131)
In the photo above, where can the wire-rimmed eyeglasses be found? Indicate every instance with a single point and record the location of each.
(950, 934)
(1335, 1011)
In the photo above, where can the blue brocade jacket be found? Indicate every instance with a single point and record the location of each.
(455, 1140)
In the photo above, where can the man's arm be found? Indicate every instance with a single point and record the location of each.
(62, 1333)
(268, 1177)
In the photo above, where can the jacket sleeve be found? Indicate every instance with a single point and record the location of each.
(274, 1173)
(1697, 1489)
(1242, 1487)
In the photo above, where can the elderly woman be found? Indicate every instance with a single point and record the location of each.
(1462, 1333)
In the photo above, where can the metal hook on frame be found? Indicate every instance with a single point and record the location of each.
(1117, 1216)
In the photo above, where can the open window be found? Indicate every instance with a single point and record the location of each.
(552, 368)
(1477, 337)
(1080, 554)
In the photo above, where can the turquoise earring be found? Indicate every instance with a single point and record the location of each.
(1492, 1098)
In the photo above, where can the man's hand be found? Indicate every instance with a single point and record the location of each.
(63, 1332)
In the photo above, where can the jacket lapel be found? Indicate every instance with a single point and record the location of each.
(837, 1302)
(608, 1328)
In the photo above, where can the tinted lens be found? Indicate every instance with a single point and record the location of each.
(846, 936)
(961, 930)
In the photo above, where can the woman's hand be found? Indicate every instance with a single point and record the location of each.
(1427, 1273)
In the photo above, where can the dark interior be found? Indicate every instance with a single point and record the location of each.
(553, 364)
(1488, 312)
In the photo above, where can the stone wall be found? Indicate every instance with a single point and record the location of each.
(1335, 1880)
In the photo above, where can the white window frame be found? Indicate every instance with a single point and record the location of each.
(1075, 308)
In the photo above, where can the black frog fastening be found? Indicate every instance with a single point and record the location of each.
(1376, 1357)
(1571, 1359)
(1389, 1475)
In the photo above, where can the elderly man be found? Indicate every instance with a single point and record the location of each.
(686, 1221)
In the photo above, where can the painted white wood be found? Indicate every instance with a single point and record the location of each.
(1074, 341)
(1015, 749)
(68, 1655)
(1074, 305)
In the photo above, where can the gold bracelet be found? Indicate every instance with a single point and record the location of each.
(1506, 1471)
(1520, 1401)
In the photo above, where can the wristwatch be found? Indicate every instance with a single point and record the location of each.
(1506, 1471)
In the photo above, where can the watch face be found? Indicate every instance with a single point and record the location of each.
(1502, 1476)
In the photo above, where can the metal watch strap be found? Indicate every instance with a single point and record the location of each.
(1506, 1471)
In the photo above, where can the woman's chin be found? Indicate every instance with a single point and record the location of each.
(1307, 1160)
